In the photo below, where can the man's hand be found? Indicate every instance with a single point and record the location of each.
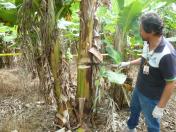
(158, 112)
(124, 64)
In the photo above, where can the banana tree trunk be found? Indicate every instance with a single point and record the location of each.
(42, 47)
(84, 78)
(62, 83)
(120, 41)
(46, 32)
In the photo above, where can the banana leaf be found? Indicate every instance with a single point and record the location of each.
(8, 13)
(129, 14)
(114, 77)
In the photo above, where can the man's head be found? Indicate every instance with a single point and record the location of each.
(151, 25)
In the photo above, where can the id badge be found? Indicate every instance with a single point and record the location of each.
(146, 69)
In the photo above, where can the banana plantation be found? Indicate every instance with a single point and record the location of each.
(60, 63)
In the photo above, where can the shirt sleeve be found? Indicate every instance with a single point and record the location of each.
(167, 67)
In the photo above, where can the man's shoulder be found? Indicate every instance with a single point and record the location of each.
(166, 53)
(169, 46)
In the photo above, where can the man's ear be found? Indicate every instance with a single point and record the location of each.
(153, 33)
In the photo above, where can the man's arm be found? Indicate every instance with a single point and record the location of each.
(159, 108)
(166, 93)
(136, 62)
(168, 71)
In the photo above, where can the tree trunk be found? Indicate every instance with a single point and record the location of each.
(119, 41)
(44, 52)
(84, 79)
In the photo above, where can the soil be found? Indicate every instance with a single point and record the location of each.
(22, 107)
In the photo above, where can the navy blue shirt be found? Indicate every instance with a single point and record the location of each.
(162, 68)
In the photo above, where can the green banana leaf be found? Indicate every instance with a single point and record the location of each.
(7, 33)
(121, 4)
(18, 2)
(9, 38)
(129, 14)
(8, 13)
(117, 78)
(116, 56)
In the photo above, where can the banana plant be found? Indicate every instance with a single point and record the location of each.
(128, 18)
(84, 79)
(8, 13)
(44, 50)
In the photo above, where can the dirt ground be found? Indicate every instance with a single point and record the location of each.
(22, 108)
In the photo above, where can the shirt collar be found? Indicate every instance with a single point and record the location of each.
(161, 46)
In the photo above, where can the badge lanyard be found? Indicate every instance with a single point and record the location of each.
(146, 64)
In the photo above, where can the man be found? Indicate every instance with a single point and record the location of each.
(157, 75)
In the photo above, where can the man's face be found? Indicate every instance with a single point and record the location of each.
(144, 35)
